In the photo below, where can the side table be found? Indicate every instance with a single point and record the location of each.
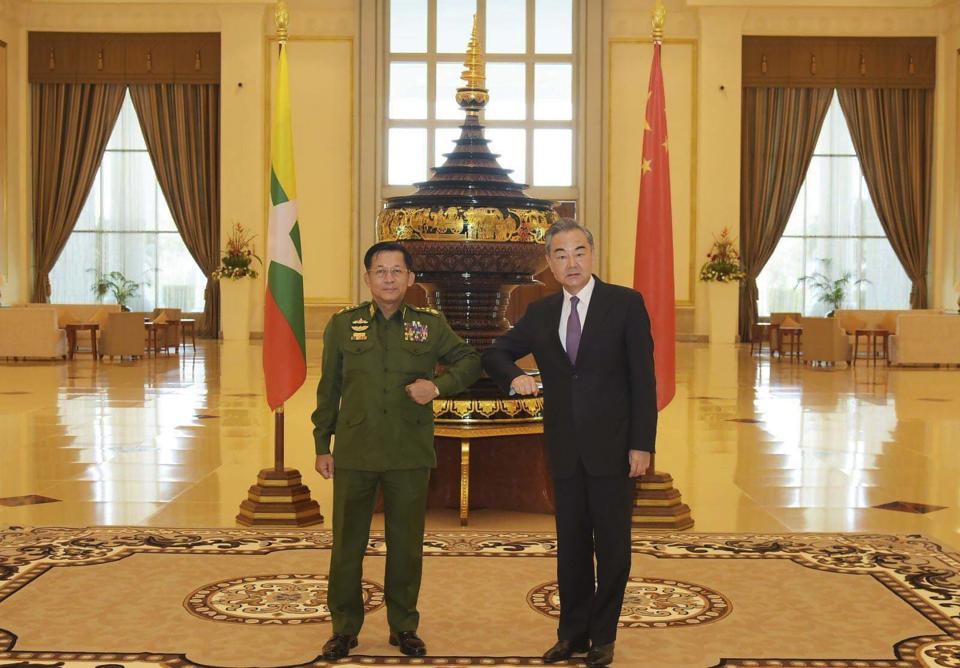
(790, 336)
(185, 324)
(871, 353)
(72, 328)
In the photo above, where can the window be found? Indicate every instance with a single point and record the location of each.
(126, 226)
(833, 230)
(529, 49)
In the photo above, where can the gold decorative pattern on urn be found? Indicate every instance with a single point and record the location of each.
(456, 223)
(488, 411)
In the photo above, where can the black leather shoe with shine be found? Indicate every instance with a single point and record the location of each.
(564, 649)
(408, 642)
(338, 646)
(600, 656)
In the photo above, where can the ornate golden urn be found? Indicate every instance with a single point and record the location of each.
(473, 233)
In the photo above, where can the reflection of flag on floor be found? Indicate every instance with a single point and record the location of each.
(653, 261)
(284, 345)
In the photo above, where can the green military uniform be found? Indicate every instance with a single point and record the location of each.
(384, 439)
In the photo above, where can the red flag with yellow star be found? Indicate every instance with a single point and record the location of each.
(653, 260)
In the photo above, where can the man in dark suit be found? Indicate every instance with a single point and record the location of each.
(593, 347)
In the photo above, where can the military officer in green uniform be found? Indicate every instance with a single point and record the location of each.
(375, 393)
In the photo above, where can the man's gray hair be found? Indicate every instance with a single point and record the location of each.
(564, 225)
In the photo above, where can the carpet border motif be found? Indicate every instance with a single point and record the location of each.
(915, 569)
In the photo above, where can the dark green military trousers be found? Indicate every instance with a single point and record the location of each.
(405, 505)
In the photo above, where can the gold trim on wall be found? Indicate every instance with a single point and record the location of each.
(268, 97)
(4, 173)
(694, 125)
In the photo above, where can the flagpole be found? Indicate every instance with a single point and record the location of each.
(279, 497)
(657, 504)
(278, 439)
(281, 18)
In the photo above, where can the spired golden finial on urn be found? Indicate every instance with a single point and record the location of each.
(474, 236)
(474, 96)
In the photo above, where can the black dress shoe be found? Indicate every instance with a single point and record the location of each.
(600, 656)
(408, 642)
(564, 649)
(338, 646)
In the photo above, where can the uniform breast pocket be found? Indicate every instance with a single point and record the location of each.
(357, 357)
(417, 359)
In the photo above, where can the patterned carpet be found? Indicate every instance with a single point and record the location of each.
(245, 597)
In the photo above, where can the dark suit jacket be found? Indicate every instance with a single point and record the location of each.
(604, 406)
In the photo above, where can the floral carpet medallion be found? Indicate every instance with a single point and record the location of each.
(272, 599)
(909, 576)
(649, 603)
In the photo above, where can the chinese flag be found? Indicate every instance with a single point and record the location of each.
(653, 261)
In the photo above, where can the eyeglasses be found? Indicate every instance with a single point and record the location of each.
(396, 272)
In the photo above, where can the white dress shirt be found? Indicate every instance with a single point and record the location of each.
(584, 295)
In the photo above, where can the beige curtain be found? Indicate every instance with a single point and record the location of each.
(892, 131)
(181, 124)
(779, 128)
(71, 124)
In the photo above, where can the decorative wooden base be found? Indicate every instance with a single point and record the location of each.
(657, 504)
(279, 499)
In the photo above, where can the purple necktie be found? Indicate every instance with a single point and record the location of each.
(573, 330)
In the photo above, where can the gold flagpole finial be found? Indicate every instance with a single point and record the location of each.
(281, 17)
(474, 95)
(659, 16)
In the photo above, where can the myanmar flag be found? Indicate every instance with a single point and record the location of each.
(653, 259)
(284, 345)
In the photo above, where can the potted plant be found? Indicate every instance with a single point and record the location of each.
(236, 264)
(722, 272)
(121, 287)
(831, 292)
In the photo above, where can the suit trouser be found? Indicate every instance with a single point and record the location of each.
(405, 504)
(593, 518)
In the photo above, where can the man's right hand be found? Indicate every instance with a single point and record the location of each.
(525, 384)
(324, 466)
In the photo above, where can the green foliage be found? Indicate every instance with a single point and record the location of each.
(831, 292)
(121, 287)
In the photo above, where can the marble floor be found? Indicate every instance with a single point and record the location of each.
(753, 445)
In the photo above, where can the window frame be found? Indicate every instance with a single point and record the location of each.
(529, 58)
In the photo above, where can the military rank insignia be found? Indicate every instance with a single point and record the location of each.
(415, 331)
(359, 327)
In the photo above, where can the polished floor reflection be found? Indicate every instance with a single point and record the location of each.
(753, 445)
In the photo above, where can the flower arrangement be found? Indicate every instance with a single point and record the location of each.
(723, 261)
(238, 256)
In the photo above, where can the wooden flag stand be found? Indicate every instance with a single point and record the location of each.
(279, 498)
(657, 505)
